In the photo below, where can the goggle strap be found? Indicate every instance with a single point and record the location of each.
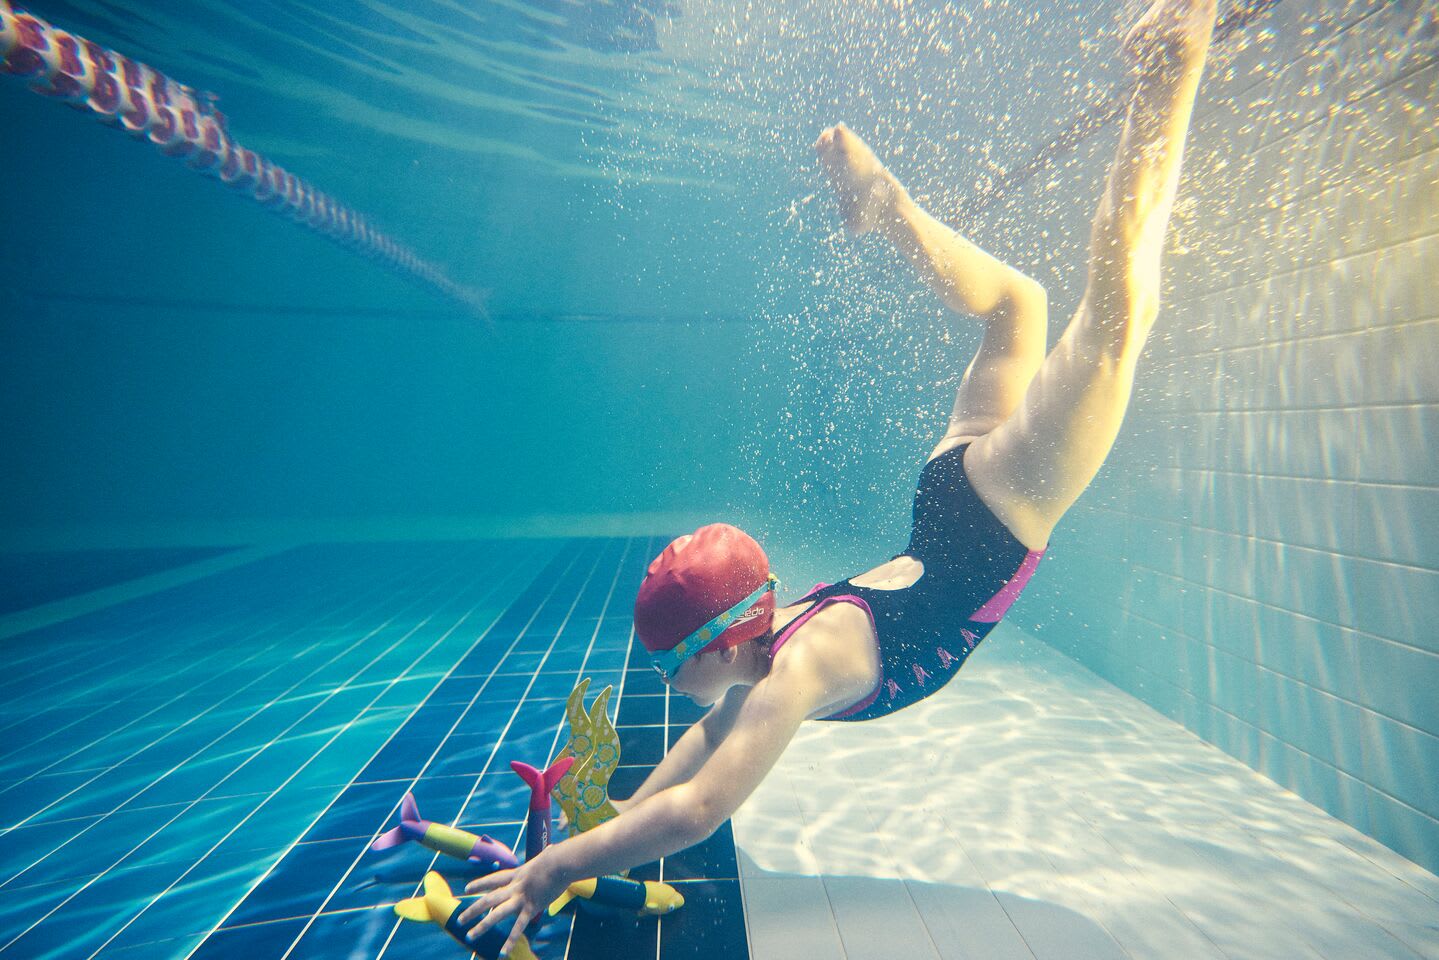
(668, 662)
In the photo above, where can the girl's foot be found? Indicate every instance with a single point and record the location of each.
(1172, 26)
(867, 192)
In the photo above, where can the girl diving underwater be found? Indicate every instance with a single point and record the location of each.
(1027, 434)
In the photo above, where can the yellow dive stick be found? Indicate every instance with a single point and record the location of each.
(439, 906)
(649, 898)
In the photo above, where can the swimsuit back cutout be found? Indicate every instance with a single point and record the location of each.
(974, 570)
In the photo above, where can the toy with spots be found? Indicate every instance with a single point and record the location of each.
(595, 744)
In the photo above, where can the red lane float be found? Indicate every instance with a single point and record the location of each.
(183, 124)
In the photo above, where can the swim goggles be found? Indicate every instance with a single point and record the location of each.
(667, 662)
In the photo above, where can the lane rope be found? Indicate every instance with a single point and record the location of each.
(186, 124)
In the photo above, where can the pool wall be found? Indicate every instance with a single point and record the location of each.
(180, 366)
(1260, 557)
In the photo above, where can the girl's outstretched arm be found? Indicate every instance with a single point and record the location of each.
(692, 750)
(673, 818)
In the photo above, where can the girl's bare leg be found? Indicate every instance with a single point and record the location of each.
(1032, 467)
(1012, 307)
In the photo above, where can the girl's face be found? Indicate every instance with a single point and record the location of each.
(705, 677)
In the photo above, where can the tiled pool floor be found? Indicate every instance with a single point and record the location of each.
(197, 771)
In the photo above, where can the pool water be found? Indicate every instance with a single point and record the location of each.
(288, 531)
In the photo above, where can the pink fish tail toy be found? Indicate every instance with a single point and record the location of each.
(537, 834)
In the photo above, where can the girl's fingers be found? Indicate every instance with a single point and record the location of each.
(489, 881)
(515, 934)
(479, 929)
(493, 917)
(472, 911)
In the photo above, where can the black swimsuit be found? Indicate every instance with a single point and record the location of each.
(974, 569)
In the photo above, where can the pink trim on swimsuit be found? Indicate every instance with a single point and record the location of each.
(998, 605)
(816, 608)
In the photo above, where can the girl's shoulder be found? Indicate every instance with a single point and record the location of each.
(834, 649)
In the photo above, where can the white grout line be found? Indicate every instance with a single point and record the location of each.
(72, 664)
(620, 692)
(247, 760)
(619, 567)
(220, 653)
(163, 619)
(395, 925)
(65, 673)
(192, 803)
(76, 683)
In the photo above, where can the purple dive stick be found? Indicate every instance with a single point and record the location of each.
(445, 839)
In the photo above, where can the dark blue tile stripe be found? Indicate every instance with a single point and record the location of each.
(32, 578)
(494, 584)
(138, 740)
(711, 924)
(131, 656)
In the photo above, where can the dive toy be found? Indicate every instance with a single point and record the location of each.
(537, 834)
(450, 841)
(649, 898)
(439, 906)
(579, 778)
(185, 124)
(595, 744)
(584, 797)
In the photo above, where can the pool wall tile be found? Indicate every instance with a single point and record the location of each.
(1279, 452)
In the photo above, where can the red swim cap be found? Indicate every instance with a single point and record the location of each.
(698, 577)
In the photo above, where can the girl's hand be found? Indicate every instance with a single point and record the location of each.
(524, 892)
